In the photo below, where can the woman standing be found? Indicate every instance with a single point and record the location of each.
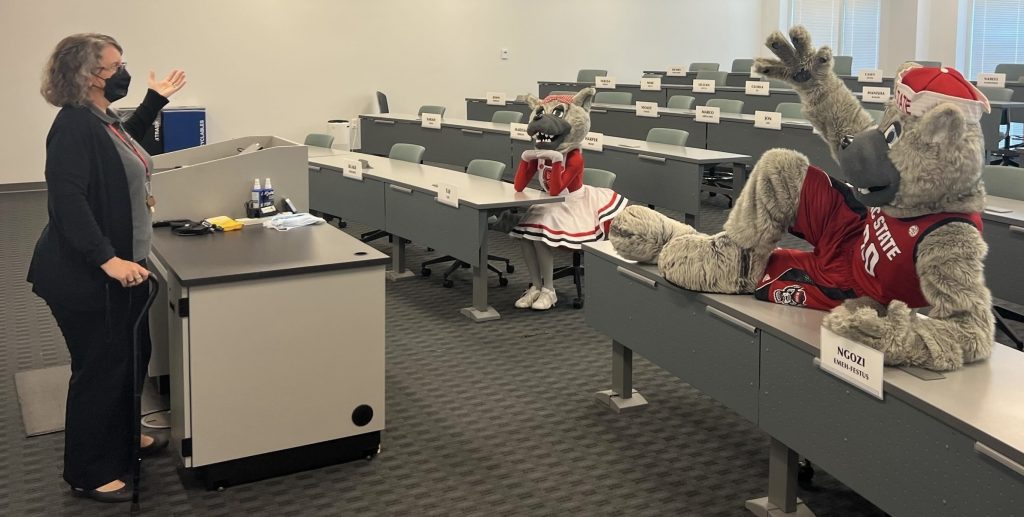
(89, 264)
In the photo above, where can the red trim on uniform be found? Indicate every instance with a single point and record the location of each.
(557, 232)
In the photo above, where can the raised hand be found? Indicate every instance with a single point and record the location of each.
(798, 63)
(171, 84)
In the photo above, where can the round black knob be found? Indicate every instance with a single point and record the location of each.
(362, 415)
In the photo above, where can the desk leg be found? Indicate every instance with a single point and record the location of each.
(782, 499)
(480, 310)
(622, 396)
(398, 270)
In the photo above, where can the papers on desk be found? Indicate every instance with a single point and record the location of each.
(594, 142)
(496, 98)
(996, 80)
(997, 210)
(852, 362)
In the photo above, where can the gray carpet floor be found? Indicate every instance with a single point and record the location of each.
(483, 419)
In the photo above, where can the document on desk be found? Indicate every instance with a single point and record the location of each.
(448, 195)
(852, 362)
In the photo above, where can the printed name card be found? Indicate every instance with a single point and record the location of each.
(650, 84)
(594, 142)
(431, 120)
(869, 76)
(875, 94)
(604, 81)
(447, 195)
(646, 109)
(996, 80)
(768, 119)
(852, 362)
(703, 86)
(758, 88)
(753, 72)
(352, 169)
(676, 71)
(496, 98)
(517, 131)
(708, 114)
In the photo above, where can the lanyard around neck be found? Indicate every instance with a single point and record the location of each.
(126, 141)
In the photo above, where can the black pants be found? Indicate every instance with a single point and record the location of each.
(98, 422)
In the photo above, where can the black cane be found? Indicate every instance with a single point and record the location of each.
(154, 288)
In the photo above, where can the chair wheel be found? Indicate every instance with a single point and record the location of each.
(425, 271)
(577, 304)
(503, 281)
(805, 473)
(448, 283)
(509, 268)
(342, 224)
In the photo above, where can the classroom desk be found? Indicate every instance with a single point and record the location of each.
(478, 109)
(401, 198)
(457, 142)
(303, 309)
(1004, 234)
(950, 446)
(741, 78)
(545, 88)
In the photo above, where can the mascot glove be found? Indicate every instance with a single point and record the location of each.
(547, 154)
(863, 324)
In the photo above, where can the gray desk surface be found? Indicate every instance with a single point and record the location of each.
(983, 400)
(316, 152)
(1015, 217)
(256, 252)
(490, 127)
(744, 117)
(474, 191)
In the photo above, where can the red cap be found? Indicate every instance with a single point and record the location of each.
(561, 98)
(946, 81)
(919, 89)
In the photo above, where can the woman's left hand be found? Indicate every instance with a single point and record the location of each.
(171, 84)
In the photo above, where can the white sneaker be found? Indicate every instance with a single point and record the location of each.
(528, 297)
(546, 300)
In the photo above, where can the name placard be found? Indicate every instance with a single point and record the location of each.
(431, 120)
(447, 195)
(604, 81)
(708, 114)
(650, 84)
(352, 169)
(857, 364)
(646, 109)
(676, 71)
(496, 98)
(875, 94)
(996, 80)
(594, 142)
(768, 119)
(869, 76)
(517, 131)
(703, 86)
(762, 88)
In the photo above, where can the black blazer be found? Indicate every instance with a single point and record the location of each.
(90, 216)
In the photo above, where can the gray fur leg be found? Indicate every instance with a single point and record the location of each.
(767, 207)
(712, 263)
(639, 233)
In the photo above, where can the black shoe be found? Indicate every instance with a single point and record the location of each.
(159, 444)
(121, 495)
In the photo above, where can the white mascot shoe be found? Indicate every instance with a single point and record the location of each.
(546, 300)
(530, 296)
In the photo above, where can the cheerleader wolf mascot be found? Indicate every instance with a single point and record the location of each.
(901, 230)
(557, 126)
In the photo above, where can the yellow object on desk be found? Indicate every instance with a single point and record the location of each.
(225, 223)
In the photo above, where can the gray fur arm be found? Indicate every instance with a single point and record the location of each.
(960, 326)
(827, 103)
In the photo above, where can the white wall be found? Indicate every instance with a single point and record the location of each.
(285, 67)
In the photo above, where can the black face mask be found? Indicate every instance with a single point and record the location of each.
(116, 86)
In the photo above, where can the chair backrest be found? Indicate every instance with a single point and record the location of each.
(876, 115)
(742, 65)
(431, 109)
(717, 77)
(589, 75)
(486, 169)
(319, 140)
(790, 110)
(996, 94)
(726, 105)
(696, 67)
(625, 98)
(598, 177)
(506, 117)
(1003, 181)
(682, 102)
(842, 65)
(407, 152)
(1014, 71)
(382, 102)
(929, 64)
(776, 84)
(664, 135)
(651, 75)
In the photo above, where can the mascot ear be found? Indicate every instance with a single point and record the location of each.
(584, 98)
(944, 124)
(532, 101)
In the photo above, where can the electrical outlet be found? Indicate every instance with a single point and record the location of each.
(504, 53)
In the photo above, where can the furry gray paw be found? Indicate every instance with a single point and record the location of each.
(888, 331)
(798, 61)
(639, 233)
(709, 263)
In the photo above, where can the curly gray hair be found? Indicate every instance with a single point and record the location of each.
(71, 67)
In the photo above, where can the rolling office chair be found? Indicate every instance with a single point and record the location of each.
(407, 153)
(382, 102)
(721, 177)
(842, 65)
(664, 135)
(1014, 71)
(506, 117)
(714, 75)
(594, 178)
(742, 65)
(1007, 153)
(697, 67)
(726, 105)
(431, 109)
(489, 169)
(624, 98)
(319, 140)
(682, 102)
(791, 110)
(1005, 182)
(589, 75)
(929, 64)
(777, 84)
